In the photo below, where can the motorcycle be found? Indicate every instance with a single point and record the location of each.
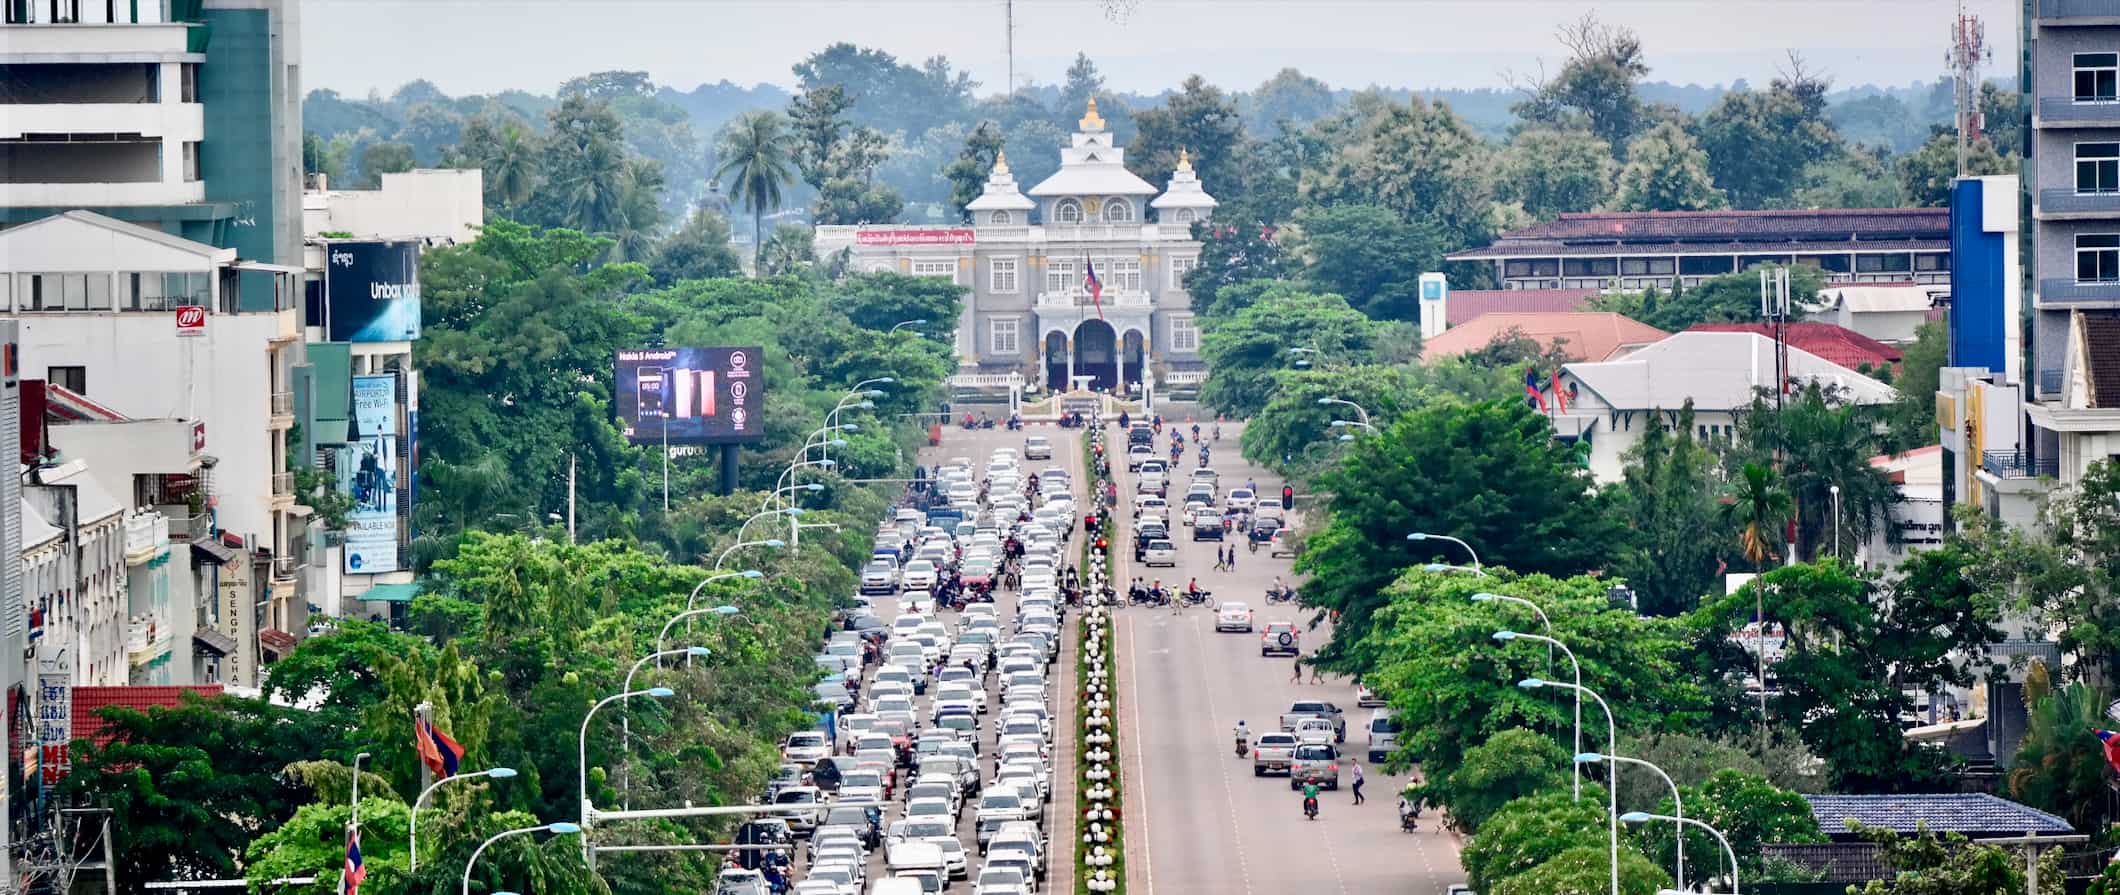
(1409, 823)
(1015, 422)
(1243, 747)
(1197, 597)
(1310, 807)
(1280, 594)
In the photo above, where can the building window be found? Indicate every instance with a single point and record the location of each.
(1893, 263)
(1706, 265)
(66, 292)
(189, 74)
(191, 161)
(1184, 339)
(1002, 335)
(1179, 267)
(943, 269)
(2098, 258)
(1118, 211)
(1119, 273)
(1185, 215)
(1590, 267)
(73, 379)
(999, 217)
(1067, 211)
(1931, 262)
(2097, 77)
(1516, 268)
(1003, 279)
(2097, 168)
(1060, 275)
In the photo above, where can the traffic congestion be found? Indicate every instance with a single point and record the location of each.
(938, 685)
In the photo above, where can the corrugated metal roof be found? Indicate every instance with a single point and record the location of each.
(1760, 232)
(1831, 341)
(1974, 814)
(1716, 371)
(2101, 357)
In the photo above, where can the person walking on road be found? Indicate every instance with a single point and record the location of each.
(1357, 782)
(1314, 678)
(1298, 678)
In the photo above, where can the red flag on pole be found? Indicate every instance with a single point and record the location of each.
(1560, 397)
(1094, 285)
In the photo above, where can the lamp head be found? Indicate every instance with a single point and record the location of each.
(1346, 438)
(774, 543)
(813, 486)
(836, 442)
(1505, 636)
(873, 393)
(866, 405)
(500, 773)
(849, 427)
(728, 610)
(793, 511)
(1479, 597)
(1530, 683)
(1324, 401)
(752, 574)
(1339, 424)
(1302, 362)
(661, 692)
(827, 462)
(1439, 567)
(1417, 536)
(698, 652)
(887, 378)
(563, 826)
(1634, 817)
(1589, 757)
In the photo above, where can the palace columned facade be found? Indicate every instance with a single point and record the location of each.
(1030, 311)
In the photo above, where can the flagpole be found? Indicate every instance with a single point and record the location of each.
(423, 715)
(353, 824)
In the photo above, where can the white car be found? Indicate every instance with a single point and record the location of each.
(1243, 499)
(1233, 617)
(1160, 552)
(806, 747)
(1037, 447)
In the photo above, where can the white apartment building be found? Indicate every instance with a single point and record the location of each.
(77, 571)
(154, 328)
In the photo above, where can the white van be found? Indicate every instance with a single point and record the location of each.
(896, 885)
(1383, 735)
(914, 855)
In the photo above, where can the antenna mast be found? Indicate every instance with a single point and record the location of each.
(1968, 50)
(1009, 20)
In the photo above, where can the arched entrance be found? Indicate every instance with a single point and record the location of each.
(1097, 353)
(1056, 361)
(1134, 349)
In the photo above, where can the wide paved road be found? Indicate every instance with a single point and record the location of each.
(1198, 821)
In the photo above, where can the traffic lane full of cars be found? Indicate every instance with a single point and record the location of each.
(909, 742)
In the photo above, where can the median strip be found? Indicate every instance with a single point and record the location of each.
(1099, 859)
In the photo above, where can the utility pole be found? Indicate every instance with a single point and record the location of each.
(1968, 49)
(570, 497)
(1008, 12)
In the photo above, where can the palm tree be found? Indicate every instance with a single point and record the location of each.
(595, 192)
(513, 167)
(1757, 506)
(757, 161)
(2060, 764)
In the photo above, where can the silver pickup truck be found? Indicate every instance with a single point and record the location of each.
(1273, 752)
(1317, 763)
(1307, 708)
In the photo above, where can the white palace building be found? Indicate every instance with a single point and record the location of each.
(1029, 312)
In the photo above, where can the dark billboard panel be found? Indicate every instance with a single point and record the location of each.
(372, 291)
(691, 395)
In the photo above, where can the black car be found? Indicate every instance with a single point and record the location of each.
(1209, 528)
(1263, 527)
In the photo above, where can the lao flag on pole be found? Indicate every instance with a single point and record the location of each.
(356, 872)
(1560, 397)
(2112, 747)
(1532, 395)
(1094, 285)
(441, 754)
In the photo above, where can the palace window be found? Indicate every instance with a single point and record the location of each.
(1118, 211)
(1067, 211)
(943, 269)
(1120, 273)
(1179, 267)
(1185, 215)
(998, 217)
(1003, 279)
(1002, 335)
(2097, 77)
(2097, 167)
(2098, 258)
(1060, 274)
(1184, 338)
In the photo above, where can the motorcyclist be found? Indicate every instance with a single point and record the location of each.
(1218, 432)
(1277, 588)
(1310, 798)
(1196, 431)
(1409, 811)
(1203, 455)
(968, 419)
(1243, 737)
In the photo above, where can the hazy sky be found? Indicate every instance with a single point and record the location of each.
(467, 46)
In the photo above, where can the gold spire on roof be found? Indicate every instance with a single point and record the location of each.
(1091, 122)
(1184, 160)
(1000, 161)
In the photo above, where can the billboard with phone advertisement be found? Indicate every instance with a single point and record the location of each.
(691, 395)
(368, 472)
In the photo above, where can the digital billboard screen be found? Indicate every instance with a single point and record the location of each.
(372, 291)
(691, 395)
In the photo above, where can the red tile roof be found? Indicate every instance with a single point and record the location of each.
(1463, 305)
(1586, 335)
(87, 700)
(1831, 341)
(1755, 232)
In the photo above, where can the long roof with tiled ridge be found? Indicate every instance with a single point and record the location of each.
(1759, 231)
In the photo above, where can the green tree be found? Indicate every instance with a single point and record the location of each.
(1759, 142)
(699, 250)
(839, 159)
(1370, 256)
(1246, 350)
(1293, 434)
(1199, 119)
(967, 174)
(1418, 159)
(818, 120)
(756, 155)
(1512, 764)
(1748, 810)
(1550, 172)
(1288, 97)
(1532, 830)
(1678, 539)
(2060, 766)
(1925, 174)
(2086, 534)
(1853, 179)
(1586, 870)
(1489, 473)
(879, 301)
(1824, 442)
(1238, 248)
(1082, 82)
(1598, 89)
(1665, 171)
(378, 159)
(1928, 864)
(789, 250)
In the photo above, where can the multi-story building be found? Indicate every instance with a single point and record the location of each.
(78, 608)
(159, 331)
(1629, 251)
(1031, 312)
(2072, 84)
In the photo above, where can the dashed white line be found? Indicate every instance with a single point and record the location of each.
(1140, 784)
(1229, 793)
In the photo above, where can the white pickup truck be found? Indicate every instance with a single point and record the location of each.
(1273, 752)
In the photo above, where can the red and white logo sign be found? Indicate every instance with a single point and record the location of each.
(956, 236)
(191, 321)
(198, 437)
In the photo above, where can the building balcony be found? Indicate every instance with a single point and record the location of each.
(147, 638)
(2063, 292)
(96, 42)
(1092, 232)
(153, 121)
(283, 484)
(2067, 204)
(2065, 111)
(2078, 12)
(101, 195)
(1111, 298)
(146, 536)
(285, 568)
(2018, 465)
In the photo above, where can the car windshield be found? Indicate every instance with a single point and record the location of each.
(1235, 608)
(1314, 753)
(806, 739)
(1000, 800)
(927, 829)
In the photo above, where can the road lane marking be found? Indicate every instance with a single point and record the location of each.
(1140, 786)
(1229, 793)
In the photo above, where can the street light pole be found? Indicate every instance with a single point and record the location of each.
(774, 543)
(1836, 521)
(582, 759)
(1447, 567)
(1678, 807)
(1423, 536)
(1551, 642)
(558, 826)
(1364, 414)
(752, 574)
(1612, 772)
(1637, 817)
(625, 717)
(413, 837)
